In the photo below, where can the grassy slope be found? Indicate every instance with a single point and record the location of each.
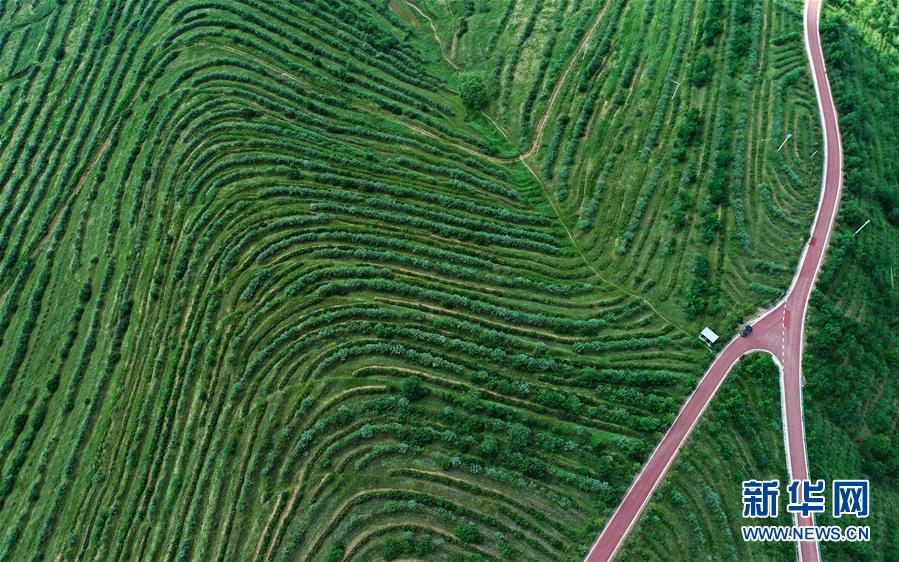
(852, 363)
(678, 218)
(207, 316)
(696, 512)
(224, 251)
(851, 358)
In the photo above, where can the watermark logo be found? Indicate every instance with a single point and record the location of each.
(760, 498)
(806, 497)
(850, 497)
(827, 533)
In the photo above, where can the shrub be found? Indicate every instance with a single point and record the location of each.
(701, 69)
(413, 389)
(473, 92)
(392, 549)
(468, 533)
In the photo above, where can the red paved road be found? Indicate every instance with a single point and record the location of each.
(779, 332)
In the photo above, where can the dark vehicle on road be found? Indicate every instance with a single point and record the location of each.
(746, 331)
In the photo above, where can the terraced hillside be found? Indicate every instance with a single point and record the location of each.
(853, 328)
(696, 513)
(270, 291)
(851, 356)
(663, 146)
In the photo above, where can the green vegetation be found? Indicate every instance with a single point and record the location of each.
(265, 295)
(696, 512)
(363, 279)
(852, 364)
(473, 92)
(664, 148)
(851, 359)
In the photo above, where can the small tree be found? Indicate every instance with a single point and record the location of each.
(468, 533)
(473, 92)
(701, 70)
(413, 389)
(392, 549)
(489, 446)
(519, 435)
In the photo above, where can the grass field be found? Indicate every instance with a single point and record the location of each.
(696, 513)
(851, 361)
(663, 152)
(852, 369)
(269, 290)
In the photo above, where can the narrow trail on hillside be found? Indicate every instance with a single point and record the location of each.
(436, 36)
(544, 119)
(583, 257)
(535, 146)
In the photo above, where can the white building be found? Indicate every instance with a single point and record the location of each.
(708, 336)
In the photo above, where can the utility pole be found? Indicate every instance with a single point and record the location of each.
(789, 135)
(813, 154)
(675, 88)
(861, 227)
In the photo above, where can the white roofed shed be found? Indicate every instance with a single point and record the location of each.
(708, 336)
